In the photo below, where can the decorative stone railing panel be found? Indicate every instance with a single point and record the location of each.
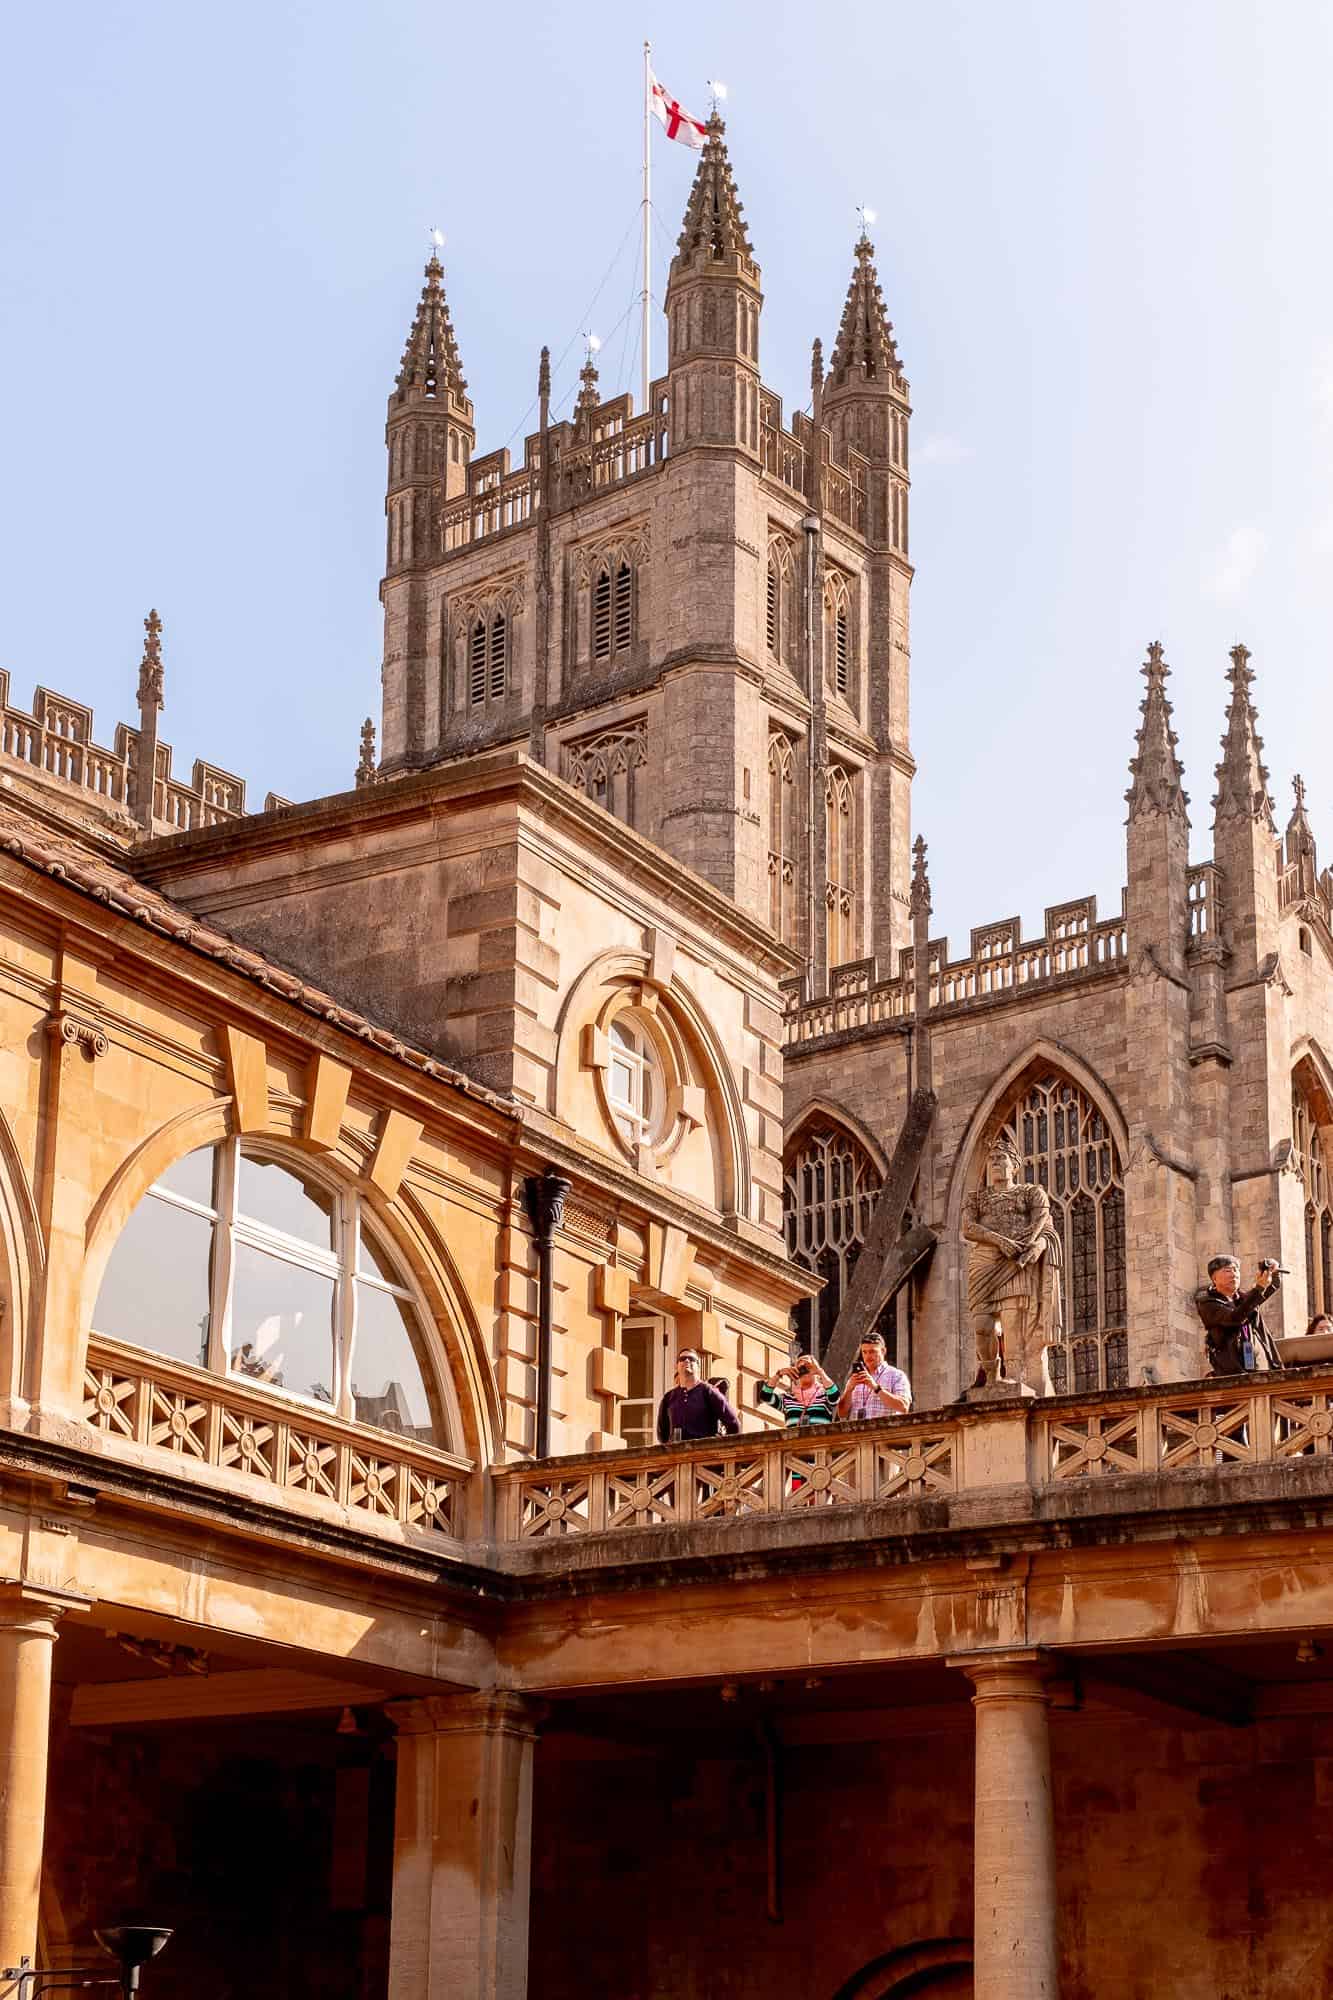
(758, 1473)
(1275, 1418)
(144, 1400)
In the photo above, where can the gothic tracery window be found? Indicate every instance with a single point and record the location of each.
(782, 834)
(606, 768)
(1066, 1147)
(1313, 1170)
(837, 635)
(830, 1185)
(842, 887)
(612, 611)
(488, 651)
(780, 610)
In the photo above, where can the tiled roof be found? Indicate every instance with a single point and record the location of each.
(62, 859)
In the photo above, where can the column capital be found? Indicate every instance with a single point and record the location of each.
(485, 1712)
(1020, 1672)
(35, 1608)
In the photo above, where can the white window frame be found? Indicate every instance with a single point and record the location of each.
(641, 1060)
(341, 1263)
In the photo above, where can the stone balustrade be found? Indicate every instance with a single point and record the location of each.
(997, 1452)
(999, 962)
(56, 737)
(149, 1409)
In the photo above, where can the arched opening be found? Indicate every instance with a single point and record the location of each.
(1310, 1118)
(248, 1264)
(939, 1967)
(830, 1184)
(1066, 1145)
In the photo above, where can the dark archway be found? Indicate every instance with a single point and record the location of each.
(938, 1967)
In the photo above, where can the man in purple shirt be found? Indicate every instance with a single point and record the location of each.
(694, 1408)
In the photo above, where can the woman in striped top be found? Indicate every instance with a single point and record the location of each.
(803, 1392)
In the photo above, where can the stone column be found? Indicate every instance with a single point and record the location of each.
(462, 1847)
(27, 1638)
(1016, 1943)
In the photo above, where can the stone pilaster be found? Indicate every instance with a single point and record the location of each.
(462, 1847)
(28, 1622)
(1016, 1953)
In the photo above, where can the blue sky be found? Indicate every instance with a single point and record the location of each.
(1103, 238)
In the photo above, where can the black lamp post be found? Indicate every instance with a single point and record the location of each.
(132, 1944)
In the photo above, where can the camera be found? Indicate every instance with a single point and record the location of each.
(1271, 1264)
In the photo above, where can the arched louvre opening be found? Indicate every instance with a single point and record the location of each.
(1066, 1147)
(782, 835)
(1313, 1170)
(830, 1187)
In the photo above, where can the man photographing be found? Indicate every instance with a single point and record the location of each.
(1235, 1336)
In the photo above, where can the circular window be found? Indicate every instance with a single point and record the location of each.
(635, 1082)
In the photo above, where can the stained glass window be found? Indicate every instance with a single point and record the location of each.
(1313, 1170)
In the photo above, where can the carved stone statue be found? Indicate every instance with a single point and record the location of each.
(1013, 1274)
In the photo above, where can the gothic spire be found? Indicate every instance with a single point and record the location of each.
(1242, 776)
(365, 770)
(431, 364)
(590, 394)
(150, 667)
(865, 351)
(920, 901)
(714, 227)
(1156, 770)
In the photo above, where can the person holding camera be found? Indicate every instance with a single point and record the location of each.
(1235, 1337)
(803, 1392)
(875, 1388)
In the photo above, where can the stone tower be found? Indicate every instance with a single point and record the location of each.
(693, 613)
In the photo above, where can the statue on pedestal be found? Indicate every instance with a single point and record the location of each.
(1013, 1274)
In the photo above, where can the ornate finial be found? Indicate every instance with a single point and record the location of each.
(366, 773)
(867, 216)
(431, 365)
(816, 366)
(1155, 768)
(1298, 786)
(864, 351)
(590, 395)
(920, 898)
(1300, 833)
(150, 668)
(1242, 775)
(544, 373)
(714, 226)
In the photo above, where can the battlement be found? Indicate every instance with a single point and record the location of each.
(55, 738)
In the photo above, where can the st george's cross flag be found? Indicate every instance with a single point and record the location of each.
(678, 122)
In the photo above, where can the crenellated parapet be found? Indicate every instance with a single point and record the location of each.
(55, 738)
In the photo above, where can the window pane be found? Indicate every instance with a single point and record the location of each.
(282, 1324)
(622, 1083)
(623, 1035)
(274, 1196)
(192, 1177)
(370, 1260)
(387, 1389)
(155, 1292)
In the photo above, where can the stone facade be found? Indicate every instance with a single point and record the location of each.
(362, 1162)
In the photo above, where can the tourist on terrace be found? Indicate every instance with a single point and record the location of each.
(803, 1392)
(1321, 1323)
(875, 1388)
(693, 1408)
(1235, 1337)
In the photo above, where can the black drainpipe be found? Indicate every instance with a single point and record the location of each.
(544, 1198)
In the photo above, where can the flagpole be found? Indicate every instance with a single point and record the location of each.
(647, 228)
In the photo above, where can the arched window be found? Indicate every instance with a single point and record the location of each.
(241, 1264)
(488, 658)
(837, 636)
(842, 888)
(829, 1187)
(782, 633)
(782, 834)
(606, 768)
(612, 611)
(634, 1080)
(1313, 1170)
(1066, 1147)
